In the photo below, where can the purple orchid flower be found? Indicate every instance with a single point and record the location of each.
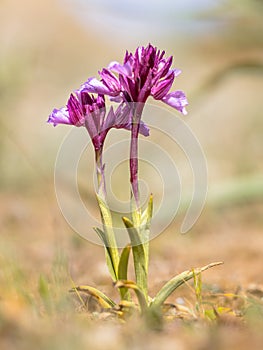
(143, 74)
(86, 110)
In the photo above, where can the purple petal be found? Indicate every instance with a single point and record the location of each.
(93, 85)
(177, 100)
(84, 97)
(176, 72)
(162, 87)
(75, 111)
(91, 126)
(163, 66)
(109, 121)
(111, 82)
(59, 116)
(123, 116)
(123, 119)
(118, 98)
(144, 130)
(125, 69)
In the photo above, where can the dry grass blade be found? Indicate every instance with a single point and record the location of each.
(177, 281)
(102, 299)
(137, 290)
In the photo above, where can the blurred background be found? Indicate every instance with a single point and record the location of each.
(48, 48)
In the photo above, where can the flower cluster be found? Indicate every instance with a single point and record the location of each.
(87, 110)
(145, 73)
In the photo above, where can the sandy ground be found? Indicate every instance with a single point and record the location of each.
(36, 247)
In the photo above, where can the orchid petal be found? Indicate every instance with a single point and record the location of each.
(177, 100)
(59, 116)
(176, 72)
(93, 85)
(144, 129)
(75, 111)
(118, 98)
(125, 69)
(162, 87)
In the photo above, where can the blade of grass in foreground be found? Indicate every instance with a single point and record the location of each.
(176, 282)
(102, 299)
(139, 293)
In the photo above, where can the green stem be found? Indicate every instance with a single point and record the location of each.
(140, 260)
(100, 173)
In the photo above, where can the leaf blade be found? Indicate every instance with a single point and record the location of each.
(109, 232)
(123, 263)
(139, 293)
(138, 255)
(123, 271)
(102, 299)
(108, 254)
(177, 281)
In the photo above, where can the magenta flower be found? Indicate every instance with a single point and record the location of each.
(143, 74)
(86, 110)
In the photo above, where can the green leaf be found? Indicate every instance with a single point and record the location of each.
(108, 253)
(148, 213)
(105, 212)
(136, 218)
(145, 230)
(102, 299)
(123, 264)
(138, 256)
(139, 293)
(177, 281)
(133, 233)
(123, 269)
(109, 232)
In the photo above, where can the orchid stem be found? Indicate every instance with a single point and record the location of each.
(140, 256)
(134, 161)
(100, 173)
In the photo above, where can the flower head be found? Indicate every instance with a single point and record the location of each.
(145, 73)
(84, 109)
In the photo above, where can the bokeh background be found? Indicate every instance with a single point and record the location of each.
(47, 49)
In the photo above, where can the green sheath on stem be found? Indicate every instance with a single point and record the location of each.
(138, 256)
